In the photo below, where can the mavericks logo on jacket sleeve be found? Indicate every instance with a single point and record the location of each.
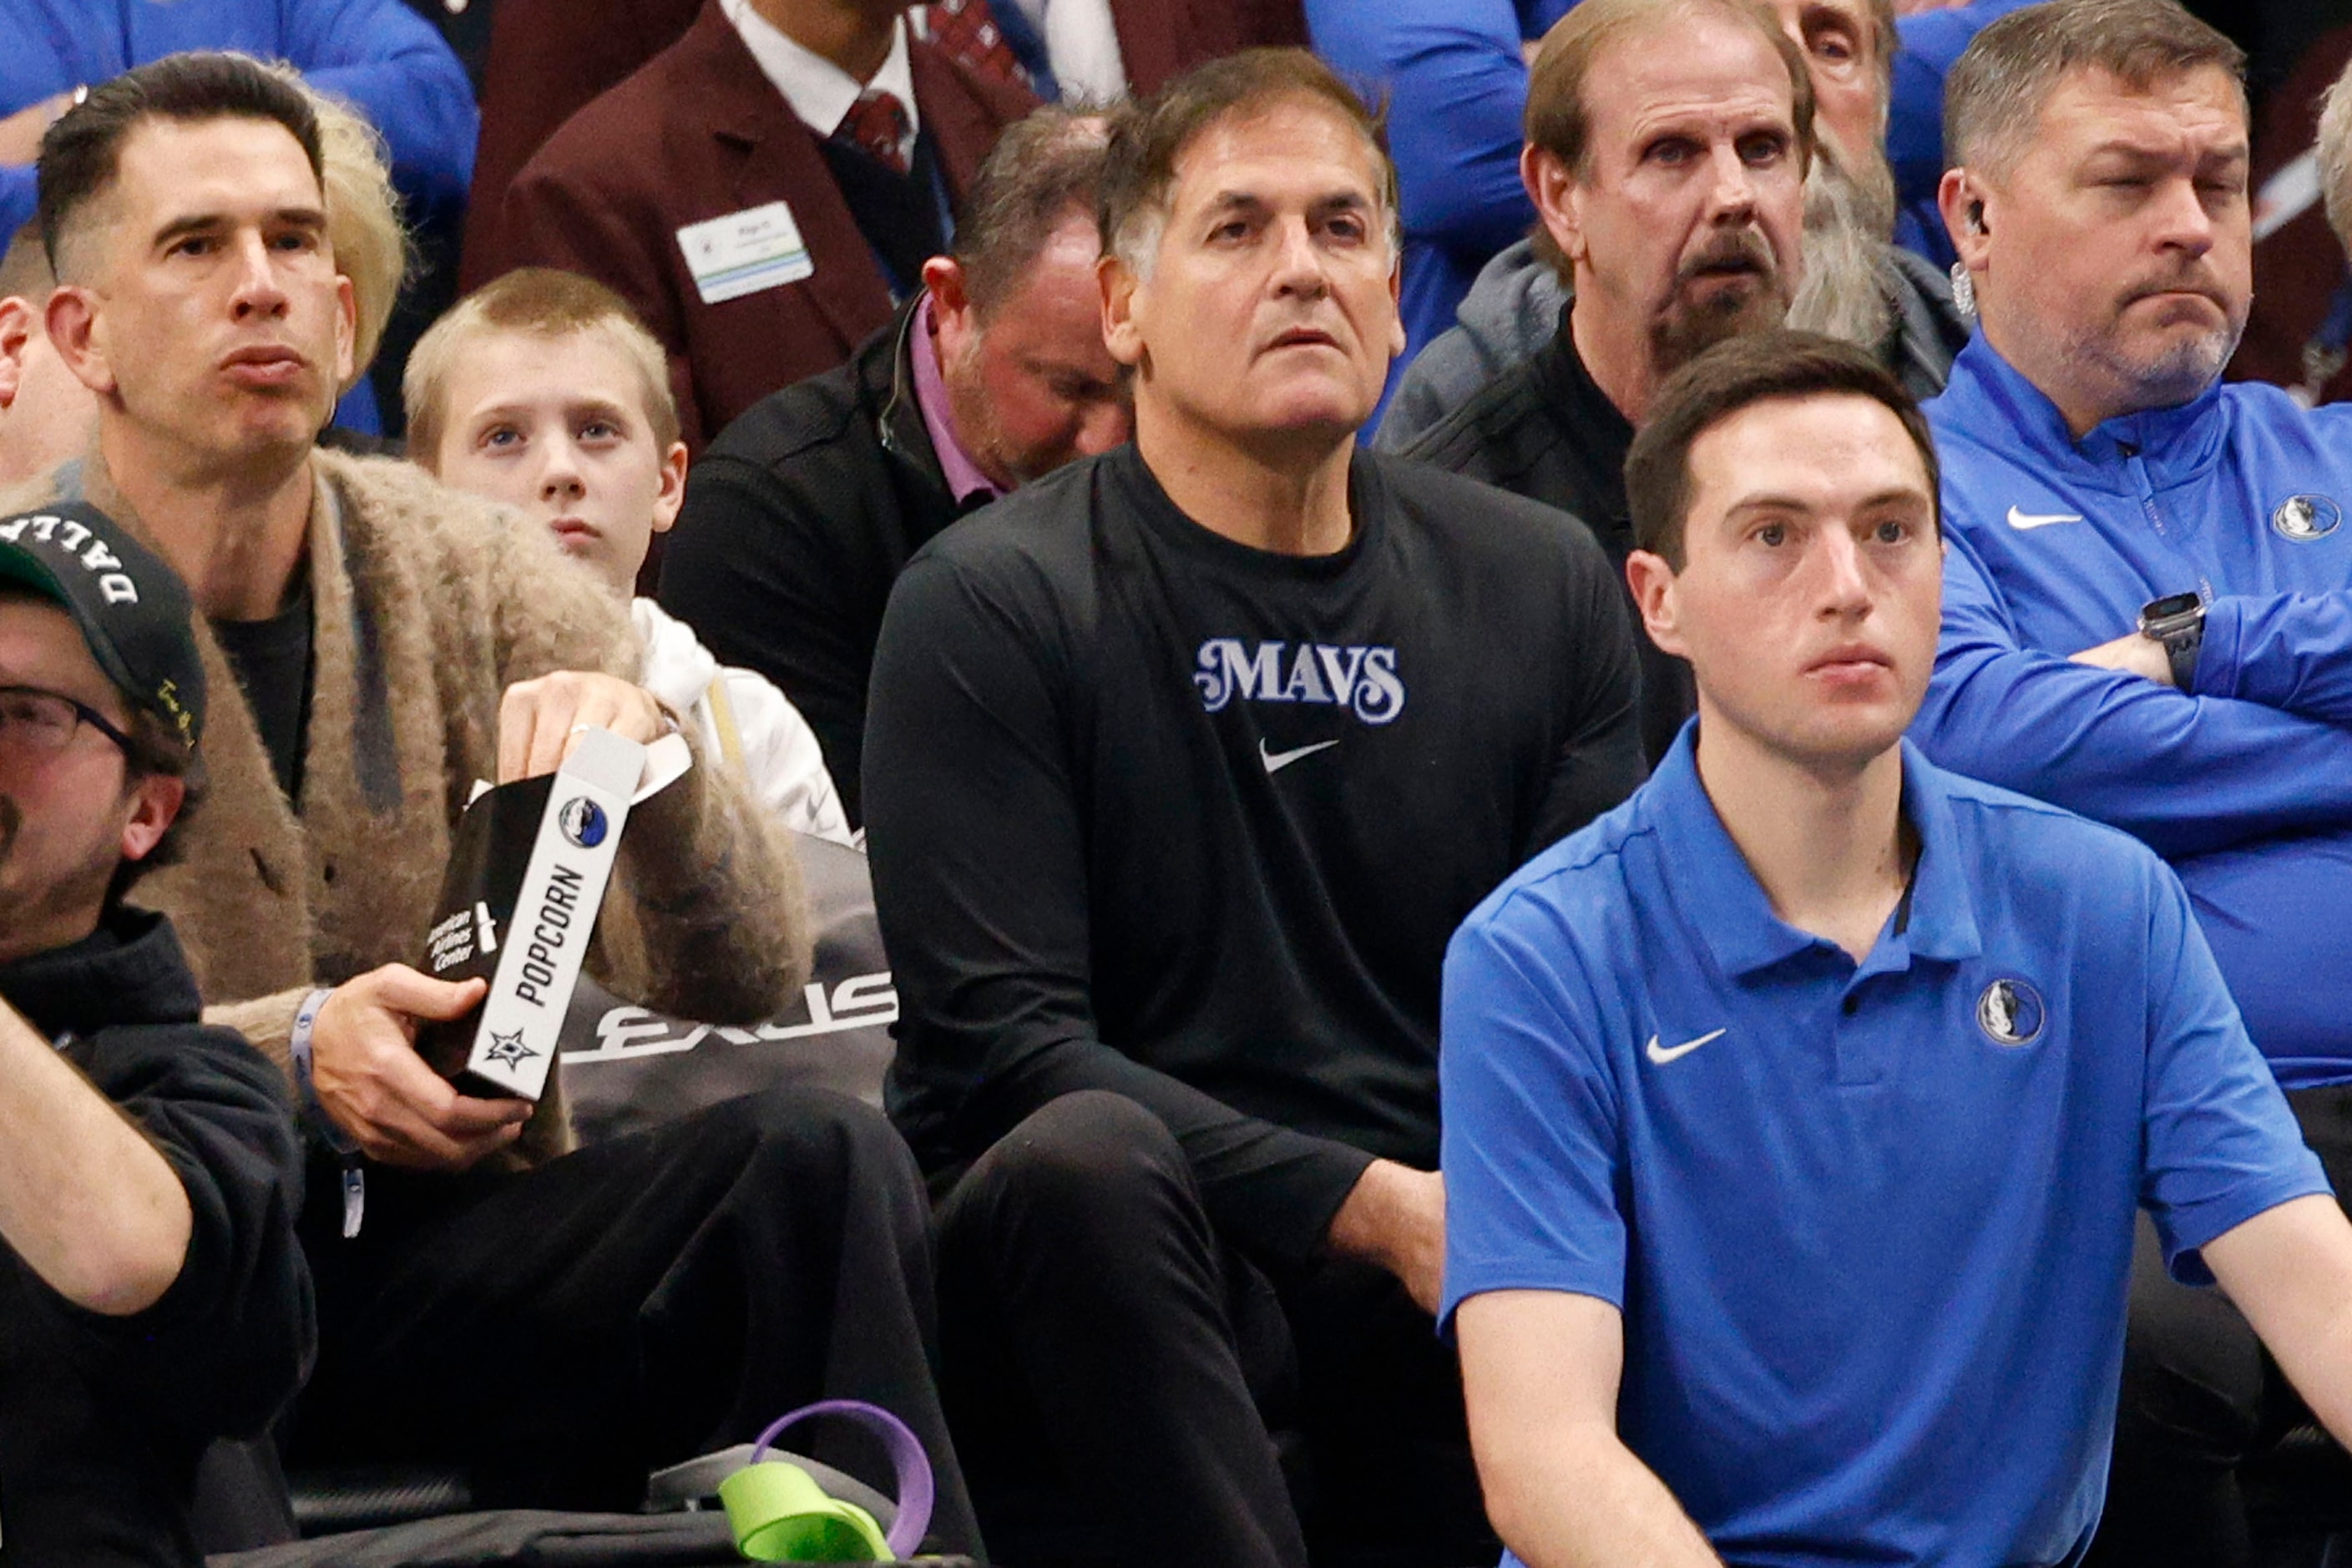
(1361, 679)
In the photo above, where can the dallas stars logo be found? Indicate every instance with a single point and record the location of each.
(508, 1049)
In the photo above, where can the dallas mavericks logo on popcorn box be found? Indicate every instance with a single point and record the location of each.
(528, 869)
(583, 822)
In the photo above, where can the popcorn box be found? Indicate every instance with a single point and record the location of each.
(529, 865)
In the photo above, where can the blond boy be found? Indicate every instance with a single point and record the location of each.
(543, 390)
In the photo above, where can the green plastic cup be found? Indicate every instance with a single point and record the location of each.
(780, 1515)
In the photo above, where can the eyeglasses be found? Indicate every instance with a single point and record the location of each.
(38, 723)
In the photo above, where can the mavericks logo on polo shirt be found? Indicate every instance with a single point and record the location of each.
(2009, 1013)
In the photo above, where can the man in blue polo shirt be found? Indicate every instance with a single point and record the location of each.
(2097, 473)
(1796, 1111)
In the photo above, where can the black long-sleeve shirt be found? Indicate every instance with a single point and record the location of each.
(1154, 812)
(102, 1419)
(1544, 429)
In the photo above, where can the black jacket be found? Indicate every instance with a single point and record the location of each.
(796, 523)
(1545, 430)
(1542, 430)
(102, 1419)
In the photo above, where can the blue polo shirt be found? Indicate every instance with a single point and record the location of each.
(1870, 1224)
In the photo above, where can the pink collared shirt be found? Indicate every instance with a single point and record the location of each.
(963, 475)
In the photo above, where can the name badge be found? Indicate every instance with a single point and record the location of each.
(744, 252)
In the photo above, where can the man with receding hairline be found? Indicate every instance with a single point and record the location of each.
(1668, 142)
(1182, 763)
(993, 373)
(2145, 613)
(1856, 285)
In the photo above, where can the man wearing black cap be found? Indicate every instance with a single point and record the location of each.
(153, 1296)
(558, 1321)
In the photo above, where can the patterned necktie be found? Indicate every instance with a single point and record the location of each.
(877, 122)
(967, 30)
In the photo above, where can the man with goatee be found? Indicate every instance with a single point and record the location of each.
(1668, 142)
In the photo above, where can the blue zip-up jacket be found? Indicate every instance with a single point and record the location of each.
(377, 55)
(2245, 784)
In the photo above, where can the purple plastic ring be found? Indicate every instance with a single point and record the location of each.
(906, 1458)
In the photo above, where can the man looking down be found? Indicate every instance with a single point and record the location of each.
(802, 513)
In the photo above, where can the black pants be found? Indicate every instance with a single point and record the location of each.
(1115, 1371)
(2200, 1395)
(562, 1331)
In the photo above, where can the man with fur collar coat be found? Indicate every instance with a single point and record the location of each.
(378, 644)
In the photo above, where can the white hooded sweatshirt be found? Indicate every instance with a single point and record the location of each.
(745, 720)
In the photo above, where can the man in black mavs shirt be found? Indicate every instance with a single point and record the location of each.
(1182, 765)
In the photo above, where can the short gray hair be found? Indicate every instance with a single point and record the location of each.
(2334, 151)
(1044, 170)
(1150, 136)
(1994, 98)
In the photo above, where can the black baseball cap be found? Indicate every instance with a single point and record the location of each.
(132, 608)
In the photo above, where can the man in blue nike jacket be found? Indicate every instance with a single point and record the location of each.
(2147, 608)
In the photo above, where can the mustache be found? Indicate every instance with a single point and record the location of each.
(1729, 249)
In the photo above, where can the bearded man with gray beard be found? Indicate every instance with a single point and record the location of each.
(1672, 157)
(1856, 286)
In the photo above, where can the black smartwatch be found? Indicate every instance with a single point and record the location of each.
(2178, 621)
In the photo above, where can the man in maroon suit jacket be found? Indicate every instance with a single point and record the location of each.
(548, 58)
(696, 190)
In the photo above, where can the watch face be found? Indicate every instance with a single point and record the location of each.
(2169, 606)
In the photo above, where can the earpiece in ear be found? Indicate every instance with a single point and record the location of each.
(1976, 218)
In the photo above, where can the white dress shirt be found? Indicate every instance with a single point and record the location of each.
(819, 92)
(1081, 44)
